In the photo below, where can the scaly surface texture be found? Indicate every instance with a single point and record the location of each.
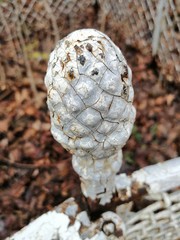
(90, 98)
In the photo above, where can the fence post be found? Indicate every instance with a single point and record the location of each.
(90, 97)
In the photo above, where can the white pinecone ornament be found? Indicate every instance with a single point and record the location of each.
(90, 97)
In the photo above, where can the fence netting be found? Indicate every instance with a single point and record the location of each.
(151, 25)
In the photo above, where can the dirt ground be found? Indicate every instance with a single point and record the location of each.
(35, 171)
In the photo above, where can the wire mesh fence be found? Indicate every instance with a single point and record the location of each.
(152, 25)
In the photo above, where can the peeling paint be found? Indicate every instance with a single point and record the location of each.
(91, 102)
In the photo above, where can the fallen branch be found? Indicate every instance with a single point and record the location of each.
(6, 162)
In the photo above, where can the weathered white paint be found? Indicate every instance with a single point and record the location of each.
(156, 178)
(46, 227)
(160, 177)
(90, 97)
(57, 225)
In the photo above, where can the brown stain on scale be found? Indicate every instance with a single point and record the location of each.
(78, 49)
(102, 55)
(89, 47)
(124, 76)
(63, 63)
(70, 75)
(102, 46)
(59, 119)
(125, 92)
(68, 58)
(81, 57)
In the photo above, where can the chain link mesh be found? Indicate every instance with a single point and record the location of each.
(142, 22)
(141, 19)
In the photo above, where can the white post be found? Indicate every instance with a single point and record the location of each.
(90, 97)
(158, 25)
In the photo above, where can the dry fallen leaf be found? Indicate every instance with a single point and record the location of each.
(169, 99)
(4, 125)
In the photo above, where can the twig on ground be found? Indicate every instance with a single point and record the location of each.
(6, 162)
